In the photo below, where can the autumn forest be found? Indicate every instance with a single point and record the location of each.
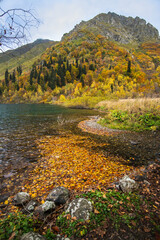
(91, 66)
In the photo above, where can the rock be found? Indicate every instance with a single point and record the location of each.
(115, 27)
(116, 184)
(31, 206)
(146, 182)
(59, 195)
(59, 237)
(80, 208)
(127, 184)
(133, 143)
(45, 207)
(32, 236)
(21, 198)
(140, 178)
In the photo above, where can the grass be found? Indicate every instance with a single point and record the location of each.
(131, 114)
(140, 105)
(84, 102)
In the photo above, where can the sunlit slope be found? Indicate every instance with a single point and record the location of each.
(25, 56)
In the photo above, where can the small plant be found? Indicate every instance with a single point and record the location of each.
(71, 226)
(111, 205)
(118, 119)
(49, 235)
(114, 207)
(16, 224)
(149, 120)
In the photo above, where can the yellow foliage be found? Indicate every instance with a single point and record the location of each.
(6, 202)
(62, 98)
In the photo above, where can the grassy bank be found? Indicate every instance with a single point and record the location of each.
(81, 102)
(131, 114)
(131, 105)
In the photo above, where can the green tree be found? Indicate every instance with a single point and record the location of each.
(52, 79)
(129, 67)
(13, 76)
(68, 77)
(82, 80)
(19, 70)
(6, 77)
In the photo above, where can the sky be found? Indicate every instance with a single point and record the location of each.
(60, 16)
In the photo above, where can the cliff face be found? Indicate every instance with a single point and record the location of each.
(118, 28)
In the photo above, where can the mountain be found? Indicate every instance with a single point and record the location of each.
(117, 28)
(89, 64)
(25, 55)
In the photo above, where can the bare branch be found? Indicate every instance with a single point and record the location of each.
(15, 25)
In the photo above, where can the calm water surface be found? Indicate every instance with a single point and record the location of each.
(22, 124)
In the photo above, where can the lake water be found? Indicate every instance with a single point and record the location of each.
(22, 124)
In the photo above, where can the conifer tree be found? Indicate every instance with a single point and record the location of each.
(84, 71)
(67, 65)
(13, 76)
(6, 77)
(129, 67)
(82, 80)
(52, 79)
(77, 63)
(31, 76)
(80, 71)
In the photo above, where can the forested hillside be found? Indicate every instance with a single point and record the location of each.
(23, 56)
(86, 65)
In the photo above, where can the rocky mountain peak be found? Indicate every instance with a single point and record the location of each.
(118, 28)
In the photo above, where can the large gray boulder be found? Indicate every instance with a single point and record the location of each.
(32, 236)
(59, 195)
(21, 198)
(127, 184)
(80, 208)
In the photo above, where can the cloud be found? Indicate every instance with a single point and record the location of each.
(60, 16)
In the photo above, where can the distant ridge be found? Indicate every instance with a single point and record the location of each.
(6, 56)
(118, 28)
(25, 55)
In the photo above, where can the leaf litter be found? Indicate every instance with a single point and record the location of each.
(68, 161)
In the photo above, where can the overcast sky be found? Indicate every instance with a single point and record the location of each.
(60, 16)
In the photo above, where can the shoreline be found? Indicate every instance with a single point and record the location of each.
(92, 126)
(72, 147)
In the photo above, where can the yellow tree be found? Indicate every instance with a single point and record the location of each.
(68, 77)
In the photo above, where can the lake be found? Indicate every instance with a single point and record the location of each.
(22, 124)
(40, 142)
